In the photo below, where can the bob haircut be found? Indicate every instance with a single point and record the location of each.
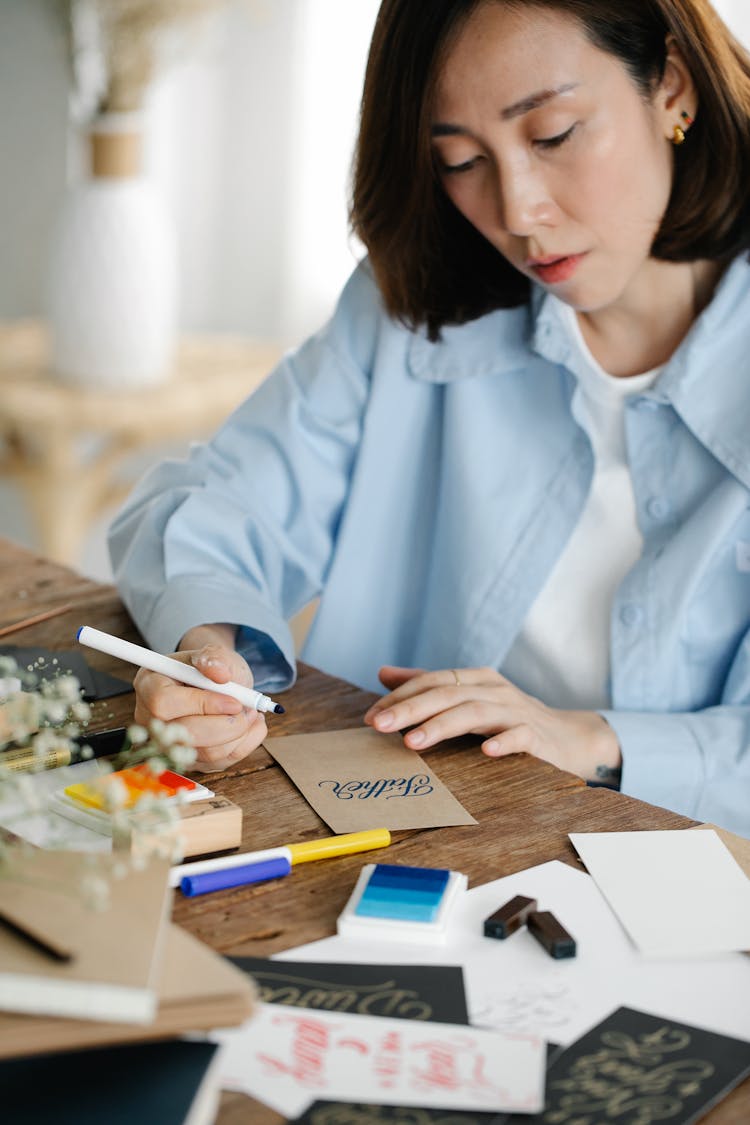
(431, 265)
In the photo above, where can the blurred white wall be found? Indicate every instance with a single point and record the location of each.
(249, 139)
(249, 133)
(736, 13)
(34, 83)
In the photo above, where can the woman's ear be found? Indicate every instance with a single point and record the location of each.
(676, 99)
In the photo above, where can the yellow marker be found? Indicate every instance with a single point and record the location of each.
(340, 845)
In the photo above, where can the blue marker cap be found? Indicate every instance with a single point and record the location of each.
(235, 876)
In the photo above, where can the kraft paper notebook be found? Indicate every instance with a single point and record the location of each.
(114, 952)
(198, 990)
(357, 779)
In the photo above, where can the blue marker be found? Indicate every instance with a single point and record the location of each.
(235, 876)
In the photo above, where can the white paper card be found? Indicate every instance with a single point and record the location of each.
(678, 894)
(514, 985)
(287, 1057)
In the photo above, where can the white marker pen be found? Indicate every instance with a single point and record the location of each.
(185, 673)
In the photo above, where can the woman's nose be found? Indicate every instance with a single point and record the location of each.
(523, 203)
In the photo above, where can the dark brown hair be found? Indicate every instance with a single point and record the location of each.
(431, 265)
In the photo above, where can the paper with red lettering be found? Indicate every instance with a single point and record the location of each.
(287, 1057)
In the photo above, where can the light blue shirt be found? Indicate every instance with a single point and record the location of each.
(424, 492)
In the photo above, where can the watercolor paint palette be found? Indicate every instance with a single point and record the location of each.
(85, 802)
(137, 780)
(401, 903)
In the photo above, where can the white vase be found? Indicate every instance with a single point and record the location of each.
(112, 283)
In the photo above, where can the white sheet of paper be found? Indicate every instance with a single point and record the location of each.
(515, 985)
(678, 894)
(287, 1057)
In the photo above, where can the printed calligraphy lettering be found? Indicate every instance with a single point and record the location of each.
(629, 1076)
(418, 785)
(309, 1049)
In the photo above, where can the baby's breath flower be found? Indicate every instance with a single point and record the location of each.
(173, 733)
(28, 794)
(48, 740)
(46, 715)
(183, 756)
(95, 890)
(67, 688)
(55, 710)
(157, 765)
(115, 794)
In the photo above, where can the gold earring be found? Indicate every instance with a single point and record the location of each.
(678, 135)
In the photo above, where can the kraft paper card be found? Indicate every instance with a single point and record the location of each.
(358, 779)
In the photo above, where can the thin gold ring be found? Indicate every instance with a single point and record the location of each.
(455, 676)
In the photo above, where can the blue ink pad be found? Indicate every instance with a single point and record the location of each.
(401, 903)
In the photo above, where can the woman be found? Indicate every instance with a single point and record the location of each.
(517, 456)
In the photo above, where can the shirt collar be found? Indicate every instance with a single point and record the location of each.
(491, 345)
(706, 380)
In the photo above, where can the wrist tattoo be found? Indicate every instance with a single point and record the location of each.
(609, 776)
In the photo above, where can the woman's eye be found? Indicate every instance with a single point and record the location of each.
(555, 142)
(464, 166)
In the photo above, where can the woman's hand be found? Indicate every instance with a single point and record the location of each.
(219, 727)
(446, 704)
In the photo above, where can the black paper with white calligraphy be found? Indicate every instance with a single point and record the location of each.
(639, 1069)
(358, 779)
(410, 992)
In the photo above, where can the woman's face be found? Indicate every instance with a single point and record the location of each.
(550, 150)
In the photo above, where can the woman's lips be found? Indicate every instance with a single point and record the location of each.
(553, 270)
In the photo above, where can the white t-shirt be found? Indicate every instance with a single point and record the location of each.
(561, 655)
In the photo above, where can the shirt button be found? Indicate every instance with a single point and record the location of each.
(646, 404)
(631, 614)
(657, 507)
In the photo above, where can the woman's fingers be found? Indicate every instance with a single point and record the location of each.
(515, 740)
(410, 712)
(221, 664)
(170, 701)
(219, 728)
(471, 717)
(414, 682)
(392, 676)
(220, 757)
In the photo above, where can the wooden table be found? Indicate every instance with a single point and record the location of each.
(525, 807)
(66, 445)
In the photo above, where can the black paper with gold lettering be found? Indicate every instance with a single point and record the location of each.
(343, 1113)
(639, 1069)
(409, 992)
